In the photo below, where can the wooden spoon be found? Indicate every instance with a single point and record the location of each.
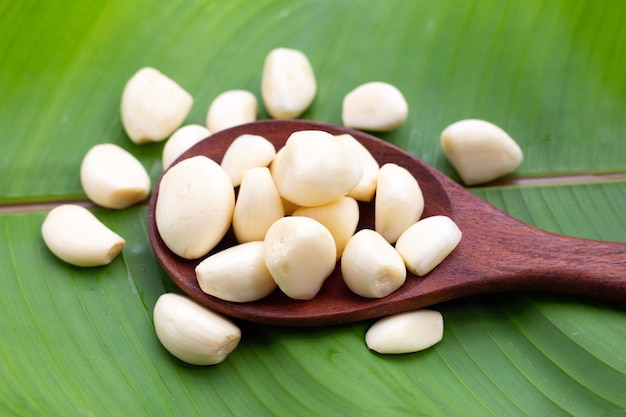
(496, 254)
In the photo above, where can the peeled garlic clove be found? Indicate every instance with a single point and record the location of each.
(236, 274)
(258, 205)
(300, 254)
(288, 206)
(398, 203)
(375, 106)
(231, 108)
(315, 169)
(480, 151)
(181, 140)
(194, 207)
(112, 177)
(153, 106)
(425, 244)
(370, 266)
(77, 237)
(365, 189)
(193, 333)
(405, 332)
(246, 151)
(288, 84)
(340, 217)
(276, 161)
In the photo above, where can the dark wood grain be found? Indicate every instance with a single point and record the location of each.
(497, 253)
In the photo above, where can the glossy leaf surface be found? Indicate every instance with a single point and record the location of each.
(80, 341)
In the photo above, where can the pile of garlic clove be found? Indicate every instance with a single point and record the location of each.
(292, 221)
(315, 171)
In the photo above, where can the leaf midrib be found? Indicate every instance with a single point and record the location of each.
(529, 181)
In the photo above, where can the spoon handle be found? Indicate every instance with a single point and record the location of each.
(517, 256)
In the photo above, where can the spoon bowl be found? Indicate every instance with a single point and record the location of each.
(497, 253)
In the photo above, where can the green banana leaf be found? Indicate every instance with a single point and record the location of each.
(80, 341)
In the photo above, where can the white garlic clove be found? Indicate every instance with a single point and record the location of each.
(112, 177)
(181, 140)
(340, 217)
(375, 106)
(153, 106)
(365, 189)
(480, 151)
(300, 254)
(231, 108)
(236, 274)
(247, 151)
(408, 332)
(194, 206)
(370, 266)
(398, 203)
(193, 333)
(288, 206)
(76, 236)
(314, 168)
(288, 84)
(258, 205)
(425, 244)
